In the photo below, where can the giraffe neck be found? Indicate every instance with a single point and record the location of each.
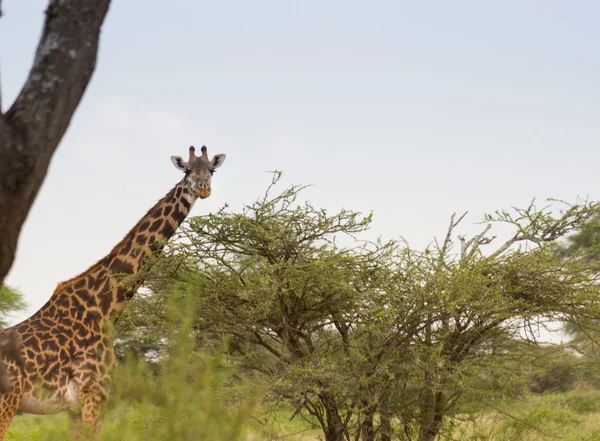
(106, 286)
(151, 233)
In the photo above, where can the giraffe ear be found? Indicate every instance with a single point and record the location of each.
(178, 162)
(217, 160)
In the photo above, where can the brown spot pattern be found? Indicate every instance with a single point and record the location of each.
(68, 339)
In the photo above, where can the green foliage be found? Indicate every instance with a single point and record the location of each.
(557, 377)
(11, 301)
(183, 396)
(541, 418)
(585, 239)
(583, 403)
(187, 400)
(37, 428)
(584, 329)
(364, 340)
(549, 368)
(571, 416)
(372, 339)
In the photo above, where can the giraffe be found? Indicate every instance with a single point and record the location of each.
(10, 345)
(66, 346)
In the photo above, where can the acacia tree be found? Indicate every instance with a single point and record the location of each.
(33, 126)
(11, 300)
(584, 332)
(372, 340)
(585, 239)
(480, 312)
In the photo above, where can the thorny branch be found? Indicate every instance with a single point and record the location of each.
(539, 225)
(448, 239)
(533, 225)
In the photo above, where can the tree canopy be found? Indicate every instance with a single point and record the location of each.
(370, 340)
(11, 301)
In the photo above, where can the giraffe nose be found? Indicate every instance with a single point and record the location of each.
(204, 191)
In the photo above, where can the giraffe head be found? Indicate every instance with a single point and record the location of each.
(198, 170)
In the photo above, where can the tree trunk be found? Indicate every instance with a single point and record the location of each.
(385, 426)
(334, 429)
(433, 416)
(366, 428)
(34, 125)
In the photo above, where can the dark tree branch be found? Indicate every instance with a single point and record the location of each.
(0, 75)
(32, 128)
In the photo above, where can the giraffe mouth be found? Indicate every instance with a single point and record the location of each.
(203, 193)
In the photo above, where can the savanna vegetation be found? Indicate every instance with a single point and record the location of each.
(11, 301)
(282, 322)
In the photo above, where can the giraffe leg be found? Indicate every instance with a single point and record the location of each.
(92, 380)
(9, 404)
(91, 413)
(77, 431)
(86, 423)
(10, 346)
(5, 383)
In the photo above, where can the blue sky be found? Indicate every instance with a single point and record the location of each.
(414, 110)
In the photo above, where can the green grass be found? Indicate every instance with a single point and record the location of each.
(142, 422)
(37, 428)
(189, 396)
(570, 416)
(194, 397)
(273, 422)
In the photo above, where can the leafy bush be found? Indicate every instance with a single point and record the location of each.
(583, 402)
(190, 396)
(556, 377)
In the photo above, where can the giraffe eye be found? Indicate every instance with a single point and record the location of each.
(212, 172)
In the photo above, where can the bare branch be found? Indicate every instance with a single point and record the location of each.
(468, 247)
(451, 228)
(506, 245)
(463, 247)
(480, 239)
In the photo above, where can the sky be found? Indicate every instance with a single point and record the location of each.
(412, 110)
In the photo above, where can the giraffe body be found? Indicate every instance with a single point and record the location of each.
(66, 347)
(10, 345)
